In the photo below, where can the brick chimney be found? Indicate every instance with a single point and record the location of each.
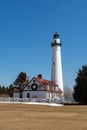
(40, 76)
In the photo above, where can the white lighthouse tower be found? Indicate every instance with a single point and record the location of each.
(56, 74)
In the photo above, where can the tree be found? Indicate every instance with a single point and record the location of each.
(0, 89)
(10, 90)
(80, 89)
(21, 78)
(3, 89)
(7, 90)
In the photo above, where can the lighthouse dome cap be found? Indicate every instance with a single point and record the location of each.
(56, 40)
(56, 35)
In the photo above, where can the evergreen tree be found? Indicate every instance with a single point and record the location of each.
(3, 90)
(21, 78)
(7, 90)
(0, 89)
(10, 90)
(80, 89)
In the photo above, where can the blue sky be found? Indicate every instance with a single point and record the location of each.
(26, 32)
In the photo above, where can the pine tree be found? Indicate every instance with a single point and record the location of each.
(3, 90)
(0, 89)
(21, 78)
(80, 89)
(10, 90)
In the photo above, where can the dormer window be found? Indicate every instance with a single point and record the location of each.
(56, 88)
(53, 88)
(48, 87)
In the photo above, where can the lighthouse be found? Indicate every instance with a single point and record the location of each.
(56, 72)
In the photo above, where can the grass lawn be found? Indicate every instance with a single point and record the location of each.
(38, 117)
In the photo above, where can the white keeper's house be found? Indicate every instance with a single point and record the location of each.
(38, 88)
(42, 88)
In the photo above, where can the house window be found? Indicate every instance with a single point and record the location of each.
(20, 95)
(56, 88)
(28, 95)
(48, 87)
(53, 88)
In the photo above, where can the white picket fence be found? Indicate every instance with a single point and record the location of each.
(12, 99)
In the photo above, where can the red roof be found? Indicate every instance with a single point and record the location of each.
(45, 82)
(60, 91)
(19, 89)
(25, 83)
(16, 90)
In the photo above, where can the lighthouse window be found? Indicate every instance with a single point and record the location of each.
(53, 63)
(55, 41)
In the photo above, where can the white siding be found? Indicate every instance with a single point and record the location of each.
(17, 95)
(39, 94)
(28, 92)
(28, 87)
